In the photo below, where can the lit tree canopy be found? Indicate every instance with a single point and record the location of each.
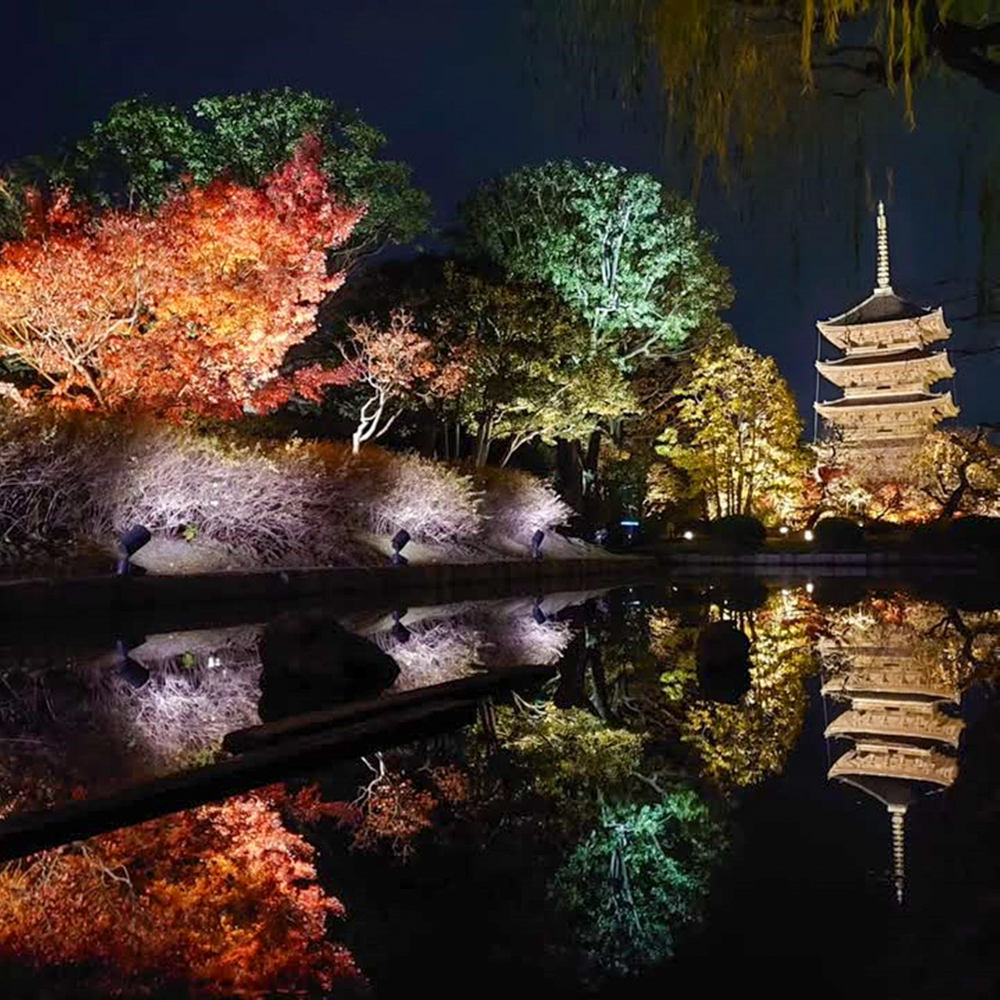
(617, 248)
(529, 370)
(189, 309)
(144, 152)
(735, 435)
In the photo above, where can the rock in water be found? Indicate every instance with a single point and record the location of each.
(722, 653)
(310, 661)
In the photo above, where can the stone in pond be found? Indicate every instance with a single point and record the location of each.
(310, 662)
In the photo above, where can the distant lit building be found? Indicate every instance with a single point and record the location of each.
(887, 372)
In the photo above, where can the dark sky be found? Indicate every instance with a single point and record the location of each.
(467, 90)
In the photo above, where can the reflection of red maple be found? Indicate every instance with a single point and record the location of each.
(190, 310)
(221, 899)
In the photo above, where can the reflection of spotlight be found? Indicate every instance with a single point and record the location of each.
(536, 544)
(810, 587)
(399, 541)
(400, 632)
(130, 543)
(134, 674)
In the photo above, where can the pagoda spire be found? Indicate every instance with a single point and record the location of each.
(882, 286)
(897, 815)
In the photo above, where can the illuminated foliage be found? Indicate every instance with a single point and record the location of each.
(221, 900)
(639, 877)
(617, 248)
(143, 152)
(529, 371)
(392, 364)
(188, 311)
(571, 758)
(734, 437)
(735, 71)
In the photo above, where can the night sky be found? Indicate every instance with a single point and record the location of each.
(468, 90)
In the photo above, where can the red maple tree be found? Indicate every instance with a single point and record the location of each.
(189, 311)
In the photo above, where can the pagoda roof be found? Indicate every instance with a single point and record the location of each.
(905, 721)
(882, 306)
(876, 358)
(889, 679)
(921, 399)
(905, 763)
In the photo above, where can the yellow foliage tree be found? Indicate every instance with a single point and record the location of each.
(734, 438)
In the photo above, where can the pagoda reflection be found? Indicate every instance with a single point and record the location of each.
(896, 698)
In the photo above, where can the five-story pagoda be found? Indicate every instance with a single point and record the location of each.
(887, 373)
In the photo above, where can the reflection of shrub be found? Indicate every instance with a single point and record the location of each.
(517, 505)
(839, 534)
(738, 532)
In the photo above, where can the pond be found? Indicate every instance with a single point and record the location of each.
(686, 783)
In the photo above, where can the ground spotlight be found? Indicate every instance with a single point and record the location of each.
(399, 541)
(808, 535)
(688, 536)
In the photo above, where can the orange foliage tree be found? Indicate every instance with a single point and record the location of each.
(221, 900)
(188, 311)
(389, 364)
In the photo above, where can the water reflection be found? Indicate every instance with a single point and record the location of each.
(666, 773)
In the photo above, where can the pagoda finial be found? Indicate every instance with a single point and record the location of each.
(897, 815)
(882, 273)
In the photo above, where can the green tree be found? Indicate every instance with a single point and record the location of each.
(734, 437)
(625, 254)
(144, 150)
(529, 373)
(640, 876)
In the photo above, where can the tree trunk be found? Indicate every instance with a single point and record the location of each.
(483, 438)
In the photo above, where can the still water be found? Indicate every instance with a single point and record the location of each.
(784, 786)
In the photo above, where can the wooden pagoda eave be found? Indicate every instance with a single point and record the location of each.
(932, 406)
(901, 722)
(900, 763)
(925, 369)
(924, 329)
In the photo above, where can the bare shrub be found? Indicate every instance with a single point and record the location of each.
(517, 504)
(265, 506)
(433, 502)
(49, 466)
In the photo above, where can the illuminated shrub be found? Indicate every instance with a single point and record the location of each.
(262, 506)
(517, 504)
(248, 503)
(433, 502)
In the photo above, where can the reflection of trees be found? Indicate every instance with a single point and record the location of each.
(222, 900)
(742, 744)
(638, 877)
